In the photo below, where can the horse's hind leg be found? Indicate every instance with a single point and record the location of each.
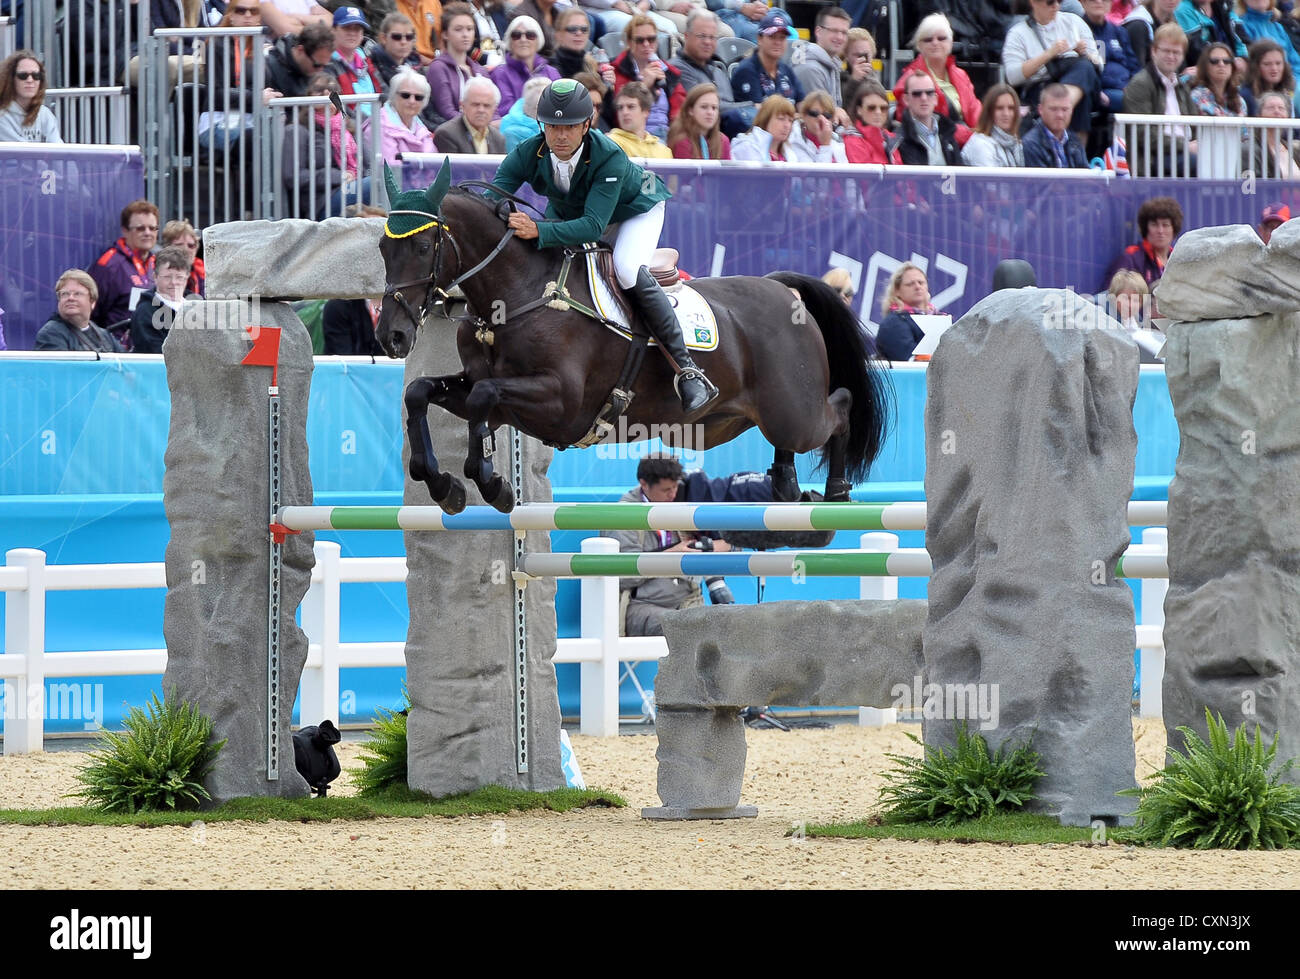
(837, 487)
(785, 482)
(447, 491)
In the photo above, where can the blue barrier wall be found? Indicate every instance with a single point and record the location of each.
(82, 449)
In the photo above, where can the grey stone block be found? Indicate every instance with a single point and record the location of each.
(825, 653)
(725, 657)
(337, 258)
(1232, 634)
(459, 658)
(1228, 273)
(1029, 468)
(215, 496)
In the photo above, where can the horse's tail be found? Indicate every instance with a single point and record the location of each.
(849, 356)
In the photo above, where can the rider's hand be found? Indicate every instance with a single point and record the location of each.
(523, 226)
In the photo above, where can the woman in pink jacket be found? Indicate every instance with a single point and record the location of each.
(401, 130)
(956, 98)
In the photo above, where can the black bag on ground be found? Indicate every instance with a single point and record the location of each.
(314, 757)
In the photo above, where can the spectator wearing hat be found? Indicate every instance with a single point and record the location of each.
(763, 73)
(126, 269)
(357, 75)
(71, 327)
(1274, 215)
(1160, 222)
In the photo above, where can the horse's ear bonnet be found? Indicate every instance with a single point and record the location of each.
(424, 201)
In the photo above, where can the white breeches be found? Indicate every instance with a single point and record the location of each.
(637, 240)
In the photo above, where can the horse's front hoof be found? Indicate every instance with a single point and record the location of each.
(838, 490)
(452, 499)
(499, 494)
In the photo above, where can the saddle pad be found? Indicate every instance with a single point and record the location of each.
(698, 325)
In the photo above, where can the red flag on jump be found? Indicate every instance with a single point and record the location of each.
(266, 349)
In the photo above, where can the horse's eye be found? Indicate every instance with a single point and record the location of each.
(424, 248)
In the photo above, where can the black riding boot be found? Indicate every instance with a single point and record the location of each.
(695, 390)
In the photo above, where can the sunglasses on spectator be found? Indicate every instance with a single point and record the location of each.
(411, 95)
(862, 56)
(1220, 61)
(522, 35)
(936, 37)
(30, 76)
(402, 37)
(143, 227)
(246, 11)
(652, 39)
(577, 29)
(921, 93)
(876, 107)
(813, 113)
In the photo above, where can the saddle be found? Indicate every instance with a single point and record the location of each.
(663, 266)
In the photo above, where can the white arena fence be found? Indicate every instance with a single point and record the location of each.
(606, 658)
(1226, 148)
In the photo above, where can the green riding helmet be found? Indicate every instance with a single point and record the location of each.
(564, 103)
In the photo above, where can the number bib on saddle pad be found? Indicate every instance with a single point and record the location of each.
(698, 325)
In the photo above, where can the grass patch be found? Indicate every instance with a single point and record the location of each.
(397, 802)
(1009, 827)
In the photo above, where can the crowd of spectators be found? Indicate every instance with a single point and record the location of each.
(464, 77)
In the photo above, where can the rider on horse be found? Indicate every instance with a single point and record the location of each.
(589, 184)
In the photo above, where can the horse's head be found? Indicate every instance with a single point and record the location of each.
(416, 261)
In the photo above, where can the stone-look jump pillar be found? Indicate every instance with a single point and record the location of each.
(1232, 613)
(459, 652)
(215, 495)
(723, 658)
(1029, 467)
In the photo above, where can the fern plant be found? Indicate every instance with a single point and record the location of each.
(968, 783)
(383, 757)
(159, 762)
(1220, 795)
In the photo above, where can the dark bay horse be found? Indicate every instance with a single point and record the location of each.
(791, 359)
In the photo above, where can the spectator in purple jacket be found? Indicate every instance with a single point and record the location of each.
(126, 269)
(524, 35)
(1160, 221)
(453, 68)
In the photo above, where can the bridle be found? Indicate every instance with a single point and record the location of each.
(435, 295)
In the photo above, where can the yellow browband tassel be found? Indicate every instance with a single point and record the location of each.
(388, 233)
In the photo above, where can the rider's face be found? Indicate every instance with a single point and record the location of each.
(564, 141)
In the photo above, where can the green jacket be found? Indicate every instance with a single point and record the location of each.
(606, 188)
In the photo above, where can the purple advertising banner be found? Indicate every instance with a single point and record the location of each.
(60, 207)
(733, 218)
